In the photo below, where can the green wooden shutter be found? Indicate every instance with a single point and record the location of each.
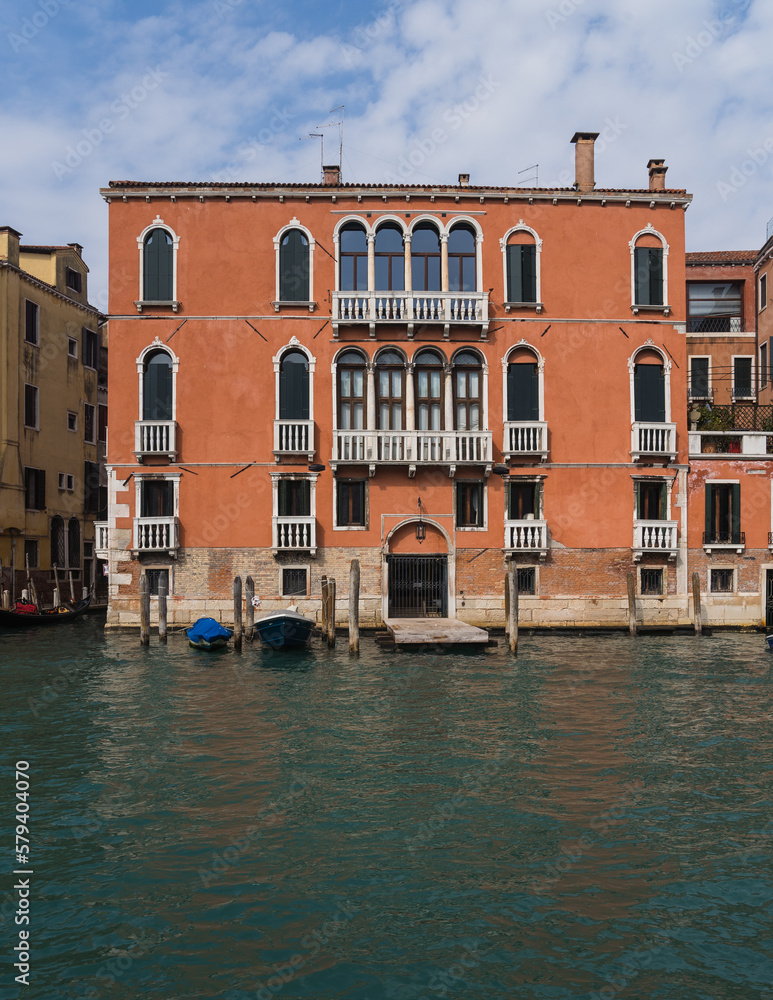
(514, 274)
(522, 392)
(358, 503)
(342, 516)
(735, 512)
(649, 393)
(709, 522)
(663, 502)
(529, 273)
(294, 267)
(157, 390)
(656, 276)
(157, 262)
(294, 387)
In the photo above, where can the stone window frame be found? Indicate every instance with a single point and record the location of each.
(280, 587)
(539, 361)
(650, 345)
(665, 308)
(467, 480)
(537, 305)
(366, 504)
(663, 570)
(294, 223)
(157, 223)
(157, 345)
(722, 566)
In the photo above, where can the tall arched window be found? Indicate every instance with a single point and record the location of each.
(294, 267)
(428, 375)
(157, 393)
(649, 387)
(461, 259)
(390, 258)
(390, 388)
(523, 386)
(468, 391)
(58, 550)
(351, 366)
(649, 273)
(521, 267)
(354, 258)
(73, 543)
(425, 258)
(158, 266)
(294, 386)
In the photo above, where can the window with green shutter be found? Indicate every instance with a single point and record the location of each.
(157, 267)
(294, 267)
(648, 276)
(521, 272)
(294, 386)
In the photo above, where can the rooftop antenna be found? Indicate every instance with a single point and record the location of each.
(535, 178)
(340, 125)
(320, 136)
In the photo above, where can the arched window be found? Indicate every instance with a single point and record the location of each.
(294, 386)
(425, 258)
(390, 258)
(390, 388)
(73, 543)
(351, 367)
(428, 375)
(649, 278)
(58, 550)
(354, 258)
(521, 267)
(461, 259)
(294, 267)
(649, 387)
(158, 266)
(523, 386)
(468, 391)
(157, 394)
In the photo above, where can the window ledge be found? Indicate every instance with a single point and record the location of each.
(291, 302)
(537, 306)
(156, 304)
(738, 547)
(636, 309)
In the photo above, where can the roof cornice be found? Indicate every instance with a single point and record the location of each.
(44, 286)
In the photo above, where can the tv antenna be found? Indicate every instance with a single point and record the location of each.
(535, 177)
(340, 125)
(320, 136)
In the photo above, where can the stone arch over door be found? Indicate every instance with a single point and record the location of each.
(401, 541)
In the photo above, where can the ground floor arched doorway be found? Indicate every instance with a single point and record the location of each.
(417, 573)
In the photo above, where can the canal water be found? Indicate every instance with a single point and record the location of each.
(592, 819)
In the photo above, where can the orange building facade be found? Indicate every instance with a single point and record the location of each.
(436, 381)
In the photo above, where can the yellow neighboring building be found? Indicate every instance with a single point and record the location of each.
(53, 419)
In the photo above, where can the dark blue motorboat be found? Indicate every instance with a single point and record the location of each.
(208, 634)
(769, 640)
(284, 629)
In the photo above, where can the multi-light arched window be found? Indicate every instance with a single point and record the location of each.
(65, 543)
(351, 367)
(58, 548)
(390, 390)
(468, 391)
(462, 258)
(158, 264)
(521, 248)
(649, 269)
(425, 258)
(428, 379)
(353, 248)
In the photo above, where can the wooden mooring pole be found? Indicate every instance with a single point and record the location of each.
(162, 611)
(249, 586)
(237, 612)
(354, 608)
(511, 600)
(323, 613)
(631, 604)
(696, 603)
(144, 611)
(331, 613)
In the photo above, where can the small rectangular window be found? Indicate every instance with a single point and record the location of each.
(90, 348)
(31, 316)
(699, 378)
(155, 577)
(723, 515)
(102, 423)
(294, 582)
(763, 365)
(66, 482)
(722, 581)
(352, 495)
(652, 582)
(72, 347)
(527, 580)
(72, 421)
(651, 500)
(763, 291)
(743, 387)
(31, 556)
(73, 279)
(31, 411)
(35, 489)
(469, 505)
(294, 498)
(523, 500)
(89, 423)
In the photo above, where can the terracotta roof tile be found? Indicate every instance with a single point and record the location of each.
(722, 257)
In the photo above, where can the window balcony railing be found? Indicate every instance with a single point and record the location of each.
(294, 437)
(653, 439)
(101, 539)
(714, 324)
(745, 393)
(525, 437)
(700, 392)
(155, 437)
(724, 540)
(657, 537)
(412, 448)
(469, 308)
(294, 534)
(527, 535)
(156, 534)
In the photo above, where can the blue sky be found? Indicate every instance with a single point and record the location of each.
(99, 90)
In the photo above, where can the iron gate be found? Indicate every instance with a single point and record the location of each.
(418, 586)
(769, 599)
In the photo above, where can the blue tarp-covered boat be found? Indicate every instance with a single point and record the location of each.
(284, 629)
(208, 634)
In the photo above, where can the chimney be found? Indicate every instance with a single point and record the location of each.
(9, 245)
(583, 160)
(657, 171)
(77, 248)
(331, 176)
(464, 180)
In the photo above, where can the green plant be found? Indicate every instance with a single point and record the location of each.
(717, 418)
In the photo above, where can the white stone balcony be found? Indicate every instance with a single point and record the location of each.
(294, 534)
(294, 437)
(443, 308)
(529, 535)
(653, 440)
(749, 444)
(658, 537)
(156, 534)
(525, 437)
(412, 448)
(155, 437)
(101, 539)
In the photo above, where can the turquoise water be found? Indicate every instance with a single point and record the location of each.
(592, 819)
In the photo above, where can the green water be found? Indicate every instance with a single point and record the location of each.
(592, 819)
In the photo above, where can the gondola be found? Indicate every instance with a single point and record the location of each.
(51, 616)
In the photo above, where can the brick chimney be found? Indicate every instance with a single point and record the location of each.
(9, 245)
(584, 179)
(464, 180)
(657, 171)
(331, 175)
(77, 248)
